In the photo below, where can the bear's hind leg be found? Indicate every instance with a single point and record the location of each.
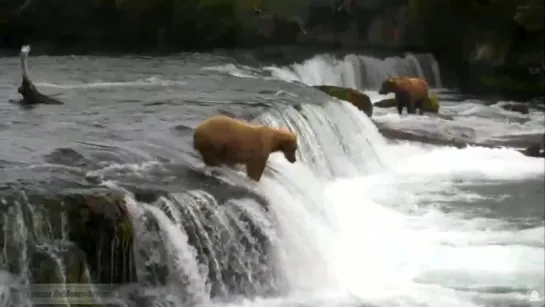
(420, 106)
(411, 107)
(256, 167)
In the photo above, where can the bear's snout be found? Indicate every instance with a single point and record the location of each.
(291, 158)
(385, 89)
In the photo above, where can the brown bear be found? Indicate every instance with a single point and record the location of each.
(409, 92)
(222, 140)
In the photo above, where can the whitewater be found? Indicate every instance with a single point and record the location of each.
(379, 234)
(358, 220)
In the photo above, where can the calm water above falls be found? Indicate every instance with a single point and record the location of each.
(358, 221)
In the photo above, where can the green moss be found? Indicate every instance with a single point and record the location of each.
(432, 104)
(125, 231)
(385, 103)
(356, 98)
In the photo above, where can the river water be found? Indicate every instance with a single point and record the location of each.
(357, 221)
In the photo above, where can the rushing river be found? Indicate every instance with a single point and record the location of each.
(357, 221)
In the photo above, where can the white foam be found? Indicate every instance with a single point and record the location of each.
(384, 239)
(356, 71)
(396, 252)
(468, 163)
(151, 81)
(241, 71)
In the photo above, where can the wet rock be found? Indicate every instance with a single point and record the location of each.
(356, 98)
(68, 157)
(102, 228)
(94, 220)
(385, 103)
(534, 150)
(515, 107)
(58, 263)
(431, 106)
(537, 149)
(398, 134)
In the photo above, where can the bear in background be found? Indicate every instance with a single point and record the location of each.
(222, 140)
(411, 93)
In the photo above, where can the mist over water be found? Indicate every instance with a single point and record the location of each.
(356, 221)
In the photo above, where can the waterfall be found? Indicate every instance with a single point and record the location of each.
(360, 71)
(336, 139)
(191, 250)
(321, 236)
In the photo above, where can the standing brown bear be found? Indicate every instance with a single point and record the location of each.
(409, 92)
(222, 140)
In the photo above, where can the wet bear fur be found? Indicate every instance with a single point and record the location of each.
(222, 140)
(411, 93)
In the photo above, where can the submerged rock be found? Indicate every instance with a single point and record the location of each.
(534, 150)
(358, 99)
(431, 106)
(385, 103)
(515, 107)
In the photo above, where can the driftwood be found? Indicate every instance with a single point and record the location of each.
(31, 95)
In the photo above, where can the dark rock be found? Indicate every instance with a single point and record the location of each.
(430, 107)
(391, 102)
(95, 220)
(535, 150)
(68, 157)
(58, 263)
(385, 103)
(356, 98)
(515, 107)
(398, 134)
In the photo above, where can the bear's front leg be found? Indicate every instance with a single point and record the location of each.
(399, 107)
(256, 167)
(210, 159)
(402, 100)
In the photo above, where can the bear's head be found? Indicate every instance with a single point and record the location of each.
(388, 86)
(287, 143)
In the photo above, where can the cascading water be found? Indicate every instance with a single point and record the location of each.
(359, 71)
(355, 221)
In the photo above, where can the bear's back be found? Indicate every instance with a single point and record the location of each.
(222, 129)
